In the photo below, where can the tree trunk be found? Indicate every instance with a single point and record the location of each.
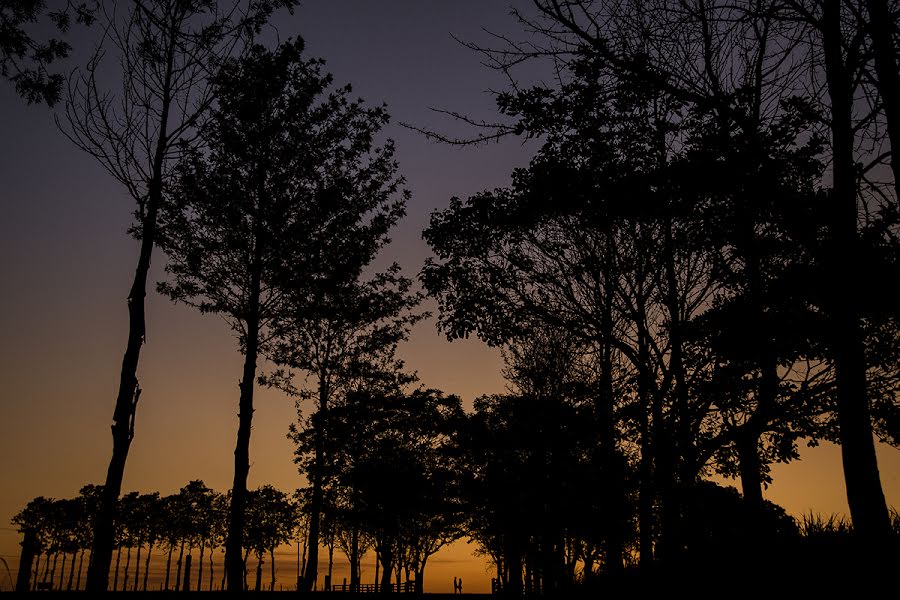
(127, 567)
(37, 571)
(881, 26)
(168, 565)
(272, 561)
(71, 580)
(645, 467)
(315, 506)
(611, 463)
(258, 586)
(147, 563)
(387, 564)
(354, 560)
(30, 548)
(62, 570)
(80, 563)
(420, 576)
(116, 578)
(178, 570)
(672, 441)
(244, 564)
(211, 555)
(137, 567)
(865, 496)
(53, 568)
(200, 566)
(127, 399)
(187, 572)
(330, 560)
(46, 569)
(129, 390)
(646, 494)
(750, 469)
(233, 562)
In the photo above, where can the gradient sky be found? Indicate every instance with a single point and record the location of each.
(67, 264)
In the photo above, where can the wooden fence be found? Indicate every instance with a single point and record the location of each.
(408, 587)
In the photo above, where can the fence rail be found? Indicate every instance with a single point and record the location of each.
(408, 587)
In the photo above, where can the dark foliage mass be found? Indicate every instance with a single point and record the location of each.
(28, 61)
(693, 276)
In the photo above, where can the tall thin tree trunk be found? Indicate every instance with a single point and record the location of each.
(46, 567)
(611, 461)
(420, 577)
(272, 565)
(674, 441)
(315, 507)
(233, 563)
(881, 25)
(200, 566)
(186, 587)
(168, 565)
(865, 496)
(80, 564)
(30, 550)
(37, 571)
(62, 570)
(354, 560)
(127, 567)
(750, 469)
(137, 567)
(645, 467)
(211, 556)
(71, 580)
(53, 568)
(147, 563)
(179, 565)
(129, 390)
(118, 560)
(330, 561)
(246, 556)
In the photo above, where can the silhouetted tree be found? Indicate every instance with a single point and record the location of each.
(289, 195)
(271, 521)
(26, 61)
(89, 499)
(389, 473)
(171, 533)
(837, 37)
(167, 50)
(348, 333)
(31, 522)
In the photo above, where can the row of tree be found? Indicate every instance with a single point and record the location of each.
(523, 476)
(195, 518)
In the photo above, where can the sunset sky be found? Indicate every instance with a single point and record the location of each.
(67, 263)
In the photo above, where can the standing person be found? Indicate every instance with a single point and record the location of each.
(459, 585)
(455, 584)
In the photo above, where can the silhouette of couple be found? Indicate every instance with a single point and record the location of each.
(457, 585)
